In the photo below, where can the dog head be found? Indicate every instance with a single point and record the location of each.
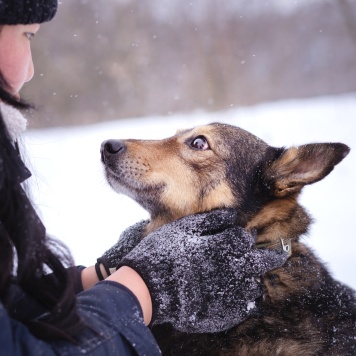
(220, 166)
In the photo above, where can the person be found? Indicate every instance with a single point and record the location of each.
(48, 306)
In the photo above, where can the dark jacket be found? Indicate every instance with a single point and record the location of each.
(111, 313)
(114, 327)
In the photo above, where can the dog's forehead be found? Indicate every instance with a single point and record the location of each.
(199, 130)
(209, 130)
(225, 132)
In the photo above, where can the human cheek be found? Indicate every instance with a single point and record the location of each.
(25, 67)
(21, 70)
(30, 70)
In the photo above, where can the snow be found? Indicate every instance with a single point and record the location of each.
(79, 208)
(251, 305)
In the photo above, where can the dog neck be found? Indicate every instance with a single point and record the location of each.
(281, 245)
(155, 224)
(279, 225)
(280, 218)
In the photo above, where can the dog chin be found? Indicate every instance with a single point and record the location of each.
(120, 188)
(143, 195)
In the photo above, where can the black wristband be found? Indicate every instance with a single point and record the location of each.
(102, 261)
(98, 272)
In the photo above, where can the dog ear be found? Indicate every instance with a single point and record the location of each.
(299, 166)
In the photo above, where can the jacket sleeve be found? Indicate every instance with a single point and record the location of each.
(16, 340)
(114, 327)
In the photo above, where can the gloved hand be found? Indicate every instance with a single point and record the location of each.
(127, 241)
(200, 271)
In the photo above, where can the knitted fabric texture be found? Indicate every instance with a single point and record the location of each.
(200, 272)
(16, 12)
(127, 241)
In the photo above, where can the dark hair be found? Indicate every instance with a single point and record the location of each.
(38, 263)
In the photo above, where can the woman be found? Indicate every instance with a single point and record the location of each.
(41, 311)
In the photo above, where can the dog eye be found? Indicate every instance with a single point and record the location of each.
(200, 143)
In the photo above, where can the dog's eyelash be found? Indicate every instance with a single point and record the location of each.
(200, 143)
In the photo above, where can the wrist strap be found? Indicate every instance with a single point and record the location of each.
(102, 261)
(98, 272)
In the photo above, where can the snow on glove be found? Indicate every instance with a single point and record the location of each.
(200, 271)
(127, 241)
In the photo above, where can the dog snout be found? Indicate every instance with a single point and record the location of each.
(110, 148)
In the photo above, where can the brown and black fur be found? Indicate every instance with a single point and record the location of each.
(304, 311)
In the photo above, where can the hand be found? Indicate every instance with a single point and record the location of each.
(127, 241)
(200, 271)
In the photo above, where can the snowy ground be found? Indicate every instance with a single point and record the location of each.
(80, 209)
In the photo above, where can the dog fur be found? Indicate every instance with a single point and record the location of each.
(304, 311)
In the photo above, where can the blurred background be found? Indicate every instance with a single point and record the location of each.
(110, 59)
(284, 70)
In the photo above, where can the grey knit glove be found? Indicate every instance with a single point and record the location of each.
(200, 271)
(127, 241)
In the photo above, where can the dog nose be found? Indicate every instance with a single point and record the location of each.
(110, 148)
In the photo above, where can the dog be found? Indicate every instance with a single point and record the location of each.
(303, 311)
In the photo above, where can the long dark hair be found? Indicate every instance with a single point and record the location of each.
(36, 264)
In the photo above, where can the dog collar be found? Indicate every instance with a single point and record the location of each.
(281, 245)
